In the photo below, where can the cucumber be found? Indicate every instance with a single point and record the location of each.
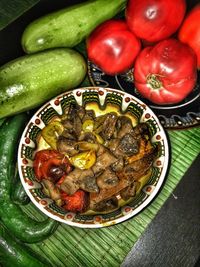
(69, 26)
(14, 253)
(31, 80)
(18, 194)
(18, 223)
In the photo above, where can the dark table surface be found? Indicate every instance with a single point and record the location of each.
(173, 237)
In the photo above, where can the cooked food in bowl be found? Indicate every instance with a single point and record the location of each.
(89, 162)
(93, 157)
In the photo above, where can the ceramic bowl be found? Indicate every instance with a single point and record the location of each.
(101, 98)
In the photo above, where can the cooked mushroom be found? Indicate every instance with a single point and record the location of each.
(68, 135)
(128, 145)
(133, 171)
(88, 137)
(107, 179)
(103, 161)
(124, 147)
(145, 149)
(106, 205)
(118, 165)
(80, 111)
(67, 146)
(51, 189)
(140, 130)
(77, 126)
(68, 125)
(108, 127)
(73, 117)
(89, 115)
(88, 182)
(70, 184)
(129, 191)
(107, 193)
(124, 126)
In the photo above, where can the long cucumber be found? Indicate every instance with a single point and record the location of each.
(14, 254)
(12, 216)
(69, 26)
(31, 80)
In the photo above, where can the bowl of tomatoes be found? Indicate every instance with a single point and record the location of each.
(93, 157)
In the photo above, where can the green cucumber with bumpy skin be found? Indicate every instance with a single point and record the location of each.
(31, 80)
(18, 194)
(12, 216)
(69, 26)
(14, 254)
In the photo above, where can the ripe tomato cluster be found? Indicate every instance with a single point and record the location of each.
(159, 40)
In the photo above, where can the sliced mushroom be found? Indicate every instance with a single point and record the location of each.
(124, 147)
(77, 126)
(107, 193)
(145, 149)
(103, 161)
(88, 137)
(80, 111)
(68, 135)
(107, 179)
(106, 205)
(108, 127)
(133, 171)
(118, 165)
(89, 115)
(124, 126)
(68, 125)
(128, 145)
(129, 191)
(73, 116)
(88, 182)
(67, 146)
(51, 189)
(70, 184)
(140, 130)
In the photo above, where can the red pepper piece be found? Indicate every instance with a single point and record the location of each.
(76, 202)
(45, 159)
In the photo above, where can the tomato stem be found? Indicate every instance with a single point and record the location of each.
(153, 81)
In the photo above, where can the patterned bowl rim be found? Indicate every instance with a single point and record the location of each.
(96, 223)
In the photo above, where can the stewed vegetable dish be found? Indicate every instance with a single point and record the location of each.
(93, 163)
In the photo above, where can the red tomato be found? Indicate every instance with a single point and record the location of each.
(76, 202)
(112, 47)
(189, 32)
(45, 159)
(155, 20)
(166, 73)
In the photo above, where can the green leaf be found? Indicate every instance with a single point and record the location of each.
(10, 10)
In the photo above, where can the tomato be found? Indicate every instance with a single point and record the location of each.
(155, 20)
(45, 161)
(189, 32)
(76, 202)
(166, 72)
(112, 47)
